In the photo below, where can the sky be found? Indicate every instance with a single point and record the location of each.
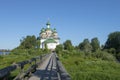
(74, 19)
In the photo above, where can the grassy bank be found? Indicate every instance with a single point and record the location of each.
(19, 55)
(81, 67)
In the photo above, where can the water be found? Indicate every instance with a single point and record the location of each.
(4, 53)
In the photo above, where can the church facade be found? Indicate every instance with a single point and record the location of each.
(49, 37)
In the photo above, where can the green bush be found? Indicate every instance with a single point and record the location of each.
(76, 62)
(103, 55)
(118, 56)
(1, 57)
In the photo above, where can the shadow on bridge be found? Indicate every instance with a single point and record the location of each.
(50, 73)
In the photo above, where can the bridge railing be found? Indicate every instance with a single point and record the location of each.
(61, 70)
(34, 62)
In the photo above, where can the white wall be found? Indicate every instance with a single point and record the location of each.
(58, 42)
(51, 45)
(41, 43)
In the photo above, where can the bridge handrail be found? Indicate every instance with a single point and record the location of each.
(5, 72)
(61, 70)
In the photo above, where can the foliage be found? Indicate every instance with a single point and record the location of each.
(113, 41)
(59, 48)
(90, 68)
(1, 57)
(112, 50)
(46, 48)
(85, 46)
(118, 56)
(87, 65)
(68, 45)
(38, 42)
(28, 48)
(113, 44)
(28, 42)
(103, 55)
(18, 55)
(95, 44)
(88, 62)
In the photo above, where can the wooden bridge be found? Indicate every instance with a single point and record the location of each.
(44, 67)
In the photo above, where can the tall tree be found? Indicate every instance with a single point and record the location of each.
(28, 42)
(59, 48)
(68, 45)
(95, 44)
(113, 41)
(85, 46)
(46, 48)
(38, 42)
(113, 44)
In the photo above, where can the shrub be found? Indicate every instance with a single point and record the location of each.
(31, 51)
(118, 56)
(103, 55)
(1, 57)
(76, 62)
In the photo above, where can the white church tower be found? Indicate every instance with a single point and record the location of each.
(49, 37)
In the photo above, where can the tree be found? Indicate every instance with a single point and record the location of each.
(113, 44)
(81, 46)
(113, 41)
(46, 48)
(59, 48)
(28, 42)
(68, 45)
(38, 42)
(95, 44)
(85, 46)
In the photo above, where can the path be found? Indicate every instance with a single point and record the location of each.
(47, 71)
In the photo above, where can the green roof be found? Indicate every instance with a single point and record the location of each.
(42, 30)
(50, 41)
(48, 23)
(54, 30)
(48, 29)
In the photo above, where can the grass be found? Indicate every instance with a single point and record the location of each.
(90, 68)
(19, 55)
(7, 60)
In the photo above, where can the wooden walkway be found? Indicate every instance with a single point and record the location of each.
(43, 67)
(47, 70)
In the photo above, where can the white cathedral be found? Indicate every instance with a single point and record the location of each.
(49, 37)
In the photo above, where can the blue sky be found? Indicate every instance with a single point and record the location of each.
(73, 19)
